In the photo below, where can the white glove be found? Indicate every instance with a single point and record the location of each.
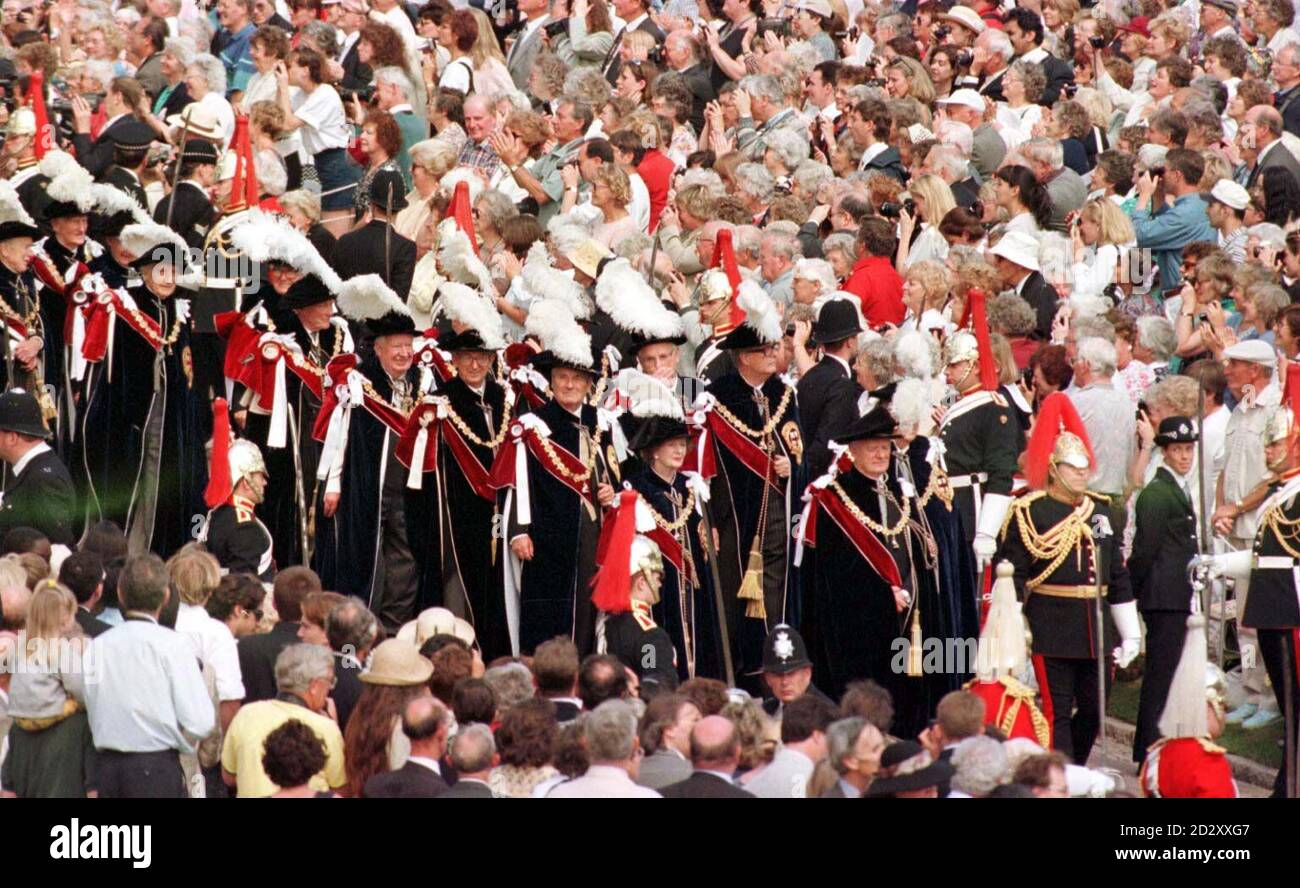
(1130, 633)
(1236, 564)
(985, 548)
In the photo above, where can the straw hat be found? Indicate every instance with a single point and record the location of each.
(397, 663)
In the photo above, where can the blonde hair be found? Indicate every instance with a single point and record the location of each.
(1171, 29)
(921, 86)
(1003, 358)
(1113, 223)
(619, 186)
(194, 574)
(51, 606)
(938, 197)
(486, 46)
(305, 202)
(935, 279)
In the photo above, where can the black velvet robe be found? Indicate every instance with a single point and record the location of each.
(737, 498)
(348, 544)
(554, 588)
(686, 609)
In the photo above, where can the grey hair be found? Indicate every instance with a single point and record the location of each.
(610, 732)
(213, 71)
(841, 737)
(496, 207)
(300, 664)
(765, 87)
(748, 239)
(472, 748)
(1151, 155)
(810, 175)
(567, 238)
(1099, 355)
(633, 246)
(997, 42)
(586, 84)
(1012, 315)
(1157, 334)
(818, 270)
(784, 245)
(512, 683)
(395, 76)
(323, 35)
(900, 23)
(1044, 150)
(1093, 327)
(425, 152)
(754, 179)
(842, 241)
(980, 765)
(879, 357)
(304, 201)
(1269, 301)
(805, 55)
(790, 147)
(272, 177)
(705, 178)
(181, 49)
(950, 158)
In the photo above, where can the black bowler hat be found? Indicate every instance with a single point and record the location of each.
(784, 651)
(388, 185)
(20, 412)
(918, 770)
(1176, 430)
(877, 423)
(199, 151)
(640, 341)
(307, 291)
(836, 320)
(467, 340)
(102, 226)
(651, 431)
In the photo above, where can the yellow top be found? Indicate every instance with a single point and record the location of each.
(242, 751)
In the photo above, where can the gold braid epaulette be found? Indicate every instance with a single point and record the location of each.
(771, 423)
(1286, 530)
(1056, 544)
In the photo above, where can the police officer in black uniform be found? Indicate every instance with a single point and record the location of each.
(194, 212)
(1164, 542)
(39, 492)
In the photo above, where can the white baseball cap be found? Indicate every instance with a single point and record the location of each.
(965, 97)
(1229, 193)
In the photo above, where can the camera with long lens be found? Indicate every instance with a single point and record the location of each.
(366, 94)
(1096, 42)
(778, 26)
(555, 29)
(965, 58)
(942, 31)
(891, 210)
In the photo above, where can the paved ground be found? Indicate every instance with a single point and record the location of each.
(1253, 779)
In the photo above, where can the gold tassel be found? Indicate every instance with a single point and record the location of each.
(751, 586)
(914, 667)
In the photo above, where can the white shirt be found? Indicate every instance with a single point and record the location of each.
(349, 40)
(214, 645)
(148, 690)
(225, 115)
(426, 762)
(325, 125)
(458, 75)
(1282, 38)
(29, 456)
(401, 23)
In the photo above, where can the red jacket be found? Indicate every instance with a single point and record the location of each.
(1187, 768)
(656, 170)
(874, 281)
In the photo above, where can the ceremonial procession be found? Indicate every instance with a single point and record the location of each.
(650, 398)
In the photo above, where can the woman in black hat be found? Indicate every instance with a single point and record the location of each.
(687, 608)
(137, 445)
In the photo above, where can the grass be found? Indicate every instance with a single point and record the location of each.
(1260, 745)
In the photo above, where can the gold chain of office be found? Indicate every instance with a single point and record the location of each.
(468, 433)
(1286, 530)
(29, 320)
(1056, 544)
(548, 447)
(673, 526)
(905, 508)
(766, 430)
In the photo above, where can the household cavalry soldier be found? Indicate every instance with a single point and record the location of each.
(1064, 553)
(718, 288)
(1272, 606)
(452, 513)
(237, 481)
(557, 478)
(624, 592)
(756, 449)
(982, 442)
(1186, 763)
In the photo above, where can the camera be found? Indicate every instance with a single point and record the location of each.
(1069, 90)
(366, 94)
(1156, 171)
(778, 26)
(942, 31)
(657, 56)
(1096, 42)
(965, 58)
(555, 29)
(891, 210)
